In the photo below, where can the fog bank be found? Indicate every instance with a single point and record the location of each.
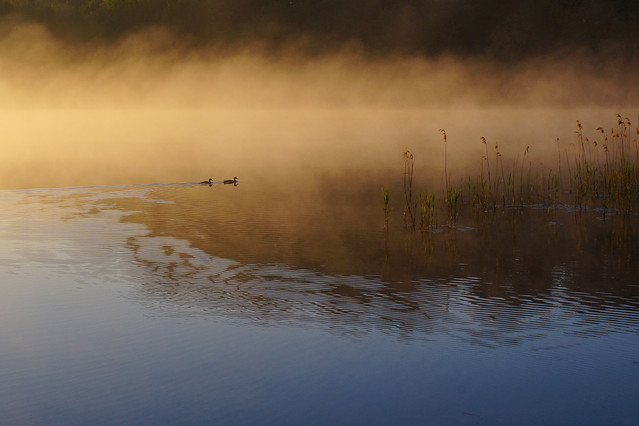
(503, 30)
(150, 107)
(154, 68)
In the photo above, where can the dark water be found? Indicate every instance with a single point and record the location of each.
(268, 303)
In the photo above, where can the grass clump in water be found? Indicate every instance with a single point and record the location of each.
(598, 173)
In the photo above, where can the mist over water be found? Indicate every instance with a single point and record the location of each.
(155, 68)
(126, 283)
(149, 107)
(73, 147)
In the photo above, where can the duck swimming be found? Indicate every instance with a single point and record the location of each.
(207, 182)
(233, 181)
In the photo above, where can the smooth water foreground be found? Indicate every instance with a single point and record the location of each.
(251, 304)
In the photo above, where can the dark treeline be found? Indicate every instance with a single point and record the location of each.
(496, 28)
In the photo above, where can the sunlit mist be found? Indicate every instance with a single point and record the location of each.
(325, 212)
(150, 109)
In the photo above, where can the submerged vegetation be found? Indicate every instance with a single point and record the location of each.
(598, 173)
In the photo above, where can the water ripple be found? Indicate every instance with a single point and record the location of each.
(88, 231)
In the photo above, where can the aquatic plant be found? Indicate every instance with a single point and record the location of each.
(451, 195)
(428, 213)
(409, 206)
(583, 177)
(386, 197)
(443, 132)
(488, 194)
(452, 203)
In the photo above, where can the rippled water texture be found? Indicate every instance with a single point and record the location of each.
(261, 303)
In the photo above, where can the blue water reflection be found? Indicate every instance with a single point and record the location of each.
(116, 309)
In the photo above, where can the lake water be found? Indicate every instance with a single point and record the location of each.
(285, 301)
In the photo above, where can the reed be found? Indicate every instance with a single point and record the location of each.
(409, 205)
(594, 172)
(386, 198)
(451, 195)
(488, 193)
(444, 136)
(523, 197)
(427, 210)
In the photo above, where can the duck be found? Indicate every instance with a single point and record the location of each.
(207, 182)
(233, 181)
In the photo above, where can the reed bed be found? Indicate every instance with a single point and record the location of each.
(599, 173)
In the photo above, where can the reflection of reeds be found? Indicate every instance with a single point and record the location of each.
(583, 177)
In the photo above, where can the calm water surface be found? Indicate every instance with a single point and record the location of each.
(261, 303)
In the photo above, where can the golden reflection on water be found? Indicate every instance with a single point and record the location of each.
(319, 255)
(272, 255)
(302, 234)
(338, 229)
